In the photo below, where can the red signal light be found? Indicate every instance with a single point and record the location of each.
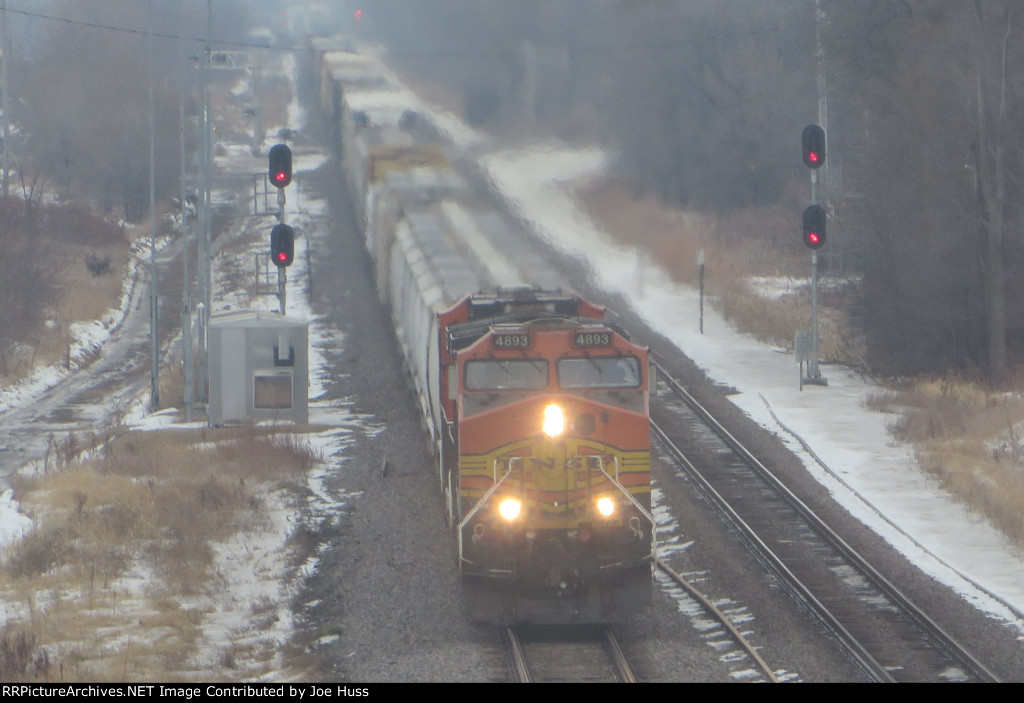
(814, 226)
(280, 165)
(282, 245)
(813, 145)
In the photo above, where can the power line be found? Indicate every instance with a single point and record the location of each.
(578, 48)
(141, 32)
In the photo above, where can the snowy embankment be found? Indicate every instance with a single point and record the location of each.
(875, 478)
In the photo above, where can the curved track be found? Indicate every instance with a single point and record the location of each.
(721, 617)
(880, 628)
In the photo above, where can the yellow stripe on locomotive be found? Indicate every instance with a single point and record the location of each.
(559, 484)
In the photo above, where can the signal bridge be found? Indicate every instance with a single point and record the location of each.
(230, 59)
(226, 60)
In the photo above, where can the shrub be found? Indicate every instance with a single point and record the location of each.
(98, 265)
(21, 658)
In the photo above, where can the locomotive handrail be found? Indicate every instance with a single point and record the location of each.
(636, 504)
(480, 503)
(615, 481)
(510, 460)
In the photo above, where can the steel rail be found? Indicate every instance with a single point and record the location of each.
(850, 643)
(516, 655)
(624, 672)
(942, 639)
(603, 638)
(721, 617)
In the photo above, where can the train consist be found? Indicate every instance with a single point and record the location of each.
(537, 405)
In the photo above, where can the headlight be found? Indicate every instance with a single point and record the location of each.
(554, 420)
(605, 506)
(510, 508)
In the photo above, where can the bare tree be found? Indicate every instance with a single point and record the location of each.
(943, 183)
(82, 104)
(995, 36)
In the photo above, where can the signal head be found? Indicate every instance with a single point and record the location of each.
(813, 146)
(280, 165)
(814, 226)
(282, 245)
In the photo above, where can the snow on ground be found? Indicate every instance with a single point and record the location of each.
(876, 478)
(249, 613)
(12, 523)
(87, 339)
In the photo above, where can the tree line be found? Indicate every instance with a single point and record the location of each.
(78, 77)
(704, 102)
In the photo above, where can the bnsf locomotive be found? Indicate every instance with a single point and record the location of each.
(537, 406)
(545, 457)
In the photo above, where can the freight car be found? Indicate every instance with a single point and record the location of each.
(537, 406)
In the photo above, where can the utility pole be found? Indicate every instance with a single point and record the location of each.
(282, 271)
(203, 268)
(186, 296)
(154, 342)
(819, 60)
(7, 85)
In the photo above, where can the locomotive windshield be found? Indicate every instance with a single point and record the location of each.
(506, 374)
(599, 372)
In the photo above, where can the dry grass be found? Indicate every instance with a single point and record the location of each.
(737, 247)
(87, 291)
(21, 657)
(113, 582)
(83, 296)
(989, 485)
(86, 296)
(969, 438)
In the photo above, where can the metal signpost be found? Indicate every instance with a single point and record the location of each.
(282, 237)
(700, 267)
(814, 228)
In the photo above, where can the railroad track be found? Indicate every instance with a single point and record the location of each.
(879, 627)
(585, 654)
(716, 613)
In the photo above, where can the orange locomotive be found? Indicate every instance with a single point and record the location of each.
(545, 458)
